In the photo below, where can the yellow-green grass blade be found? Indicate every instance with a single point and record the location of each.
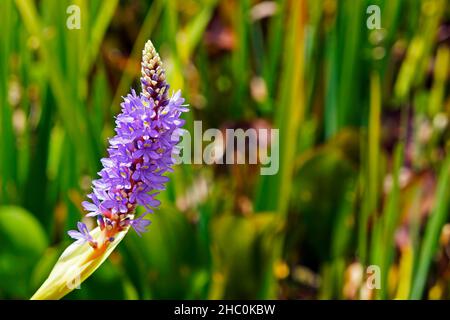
(433, 230)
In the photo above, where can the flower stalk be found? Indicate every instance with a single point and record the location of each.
(147, 132)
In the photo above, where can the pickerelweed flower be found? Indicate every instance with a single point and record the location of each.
(147, 132)
(140, 153)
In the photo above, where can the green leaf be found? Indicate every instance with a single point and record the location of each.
(23, 241)
(241, 254)
(433, 230)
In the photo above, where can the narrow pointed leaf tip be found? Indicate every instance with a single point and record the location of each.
(147, 132)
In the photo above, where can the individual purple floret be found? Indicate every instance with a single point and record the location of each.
(140, 224)
(81, 234)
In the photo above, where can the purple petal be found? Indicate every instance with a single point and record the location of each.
(89, 206)
(75, 235)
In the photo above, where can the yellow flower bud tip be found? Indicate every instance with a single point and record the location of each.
(153, 79)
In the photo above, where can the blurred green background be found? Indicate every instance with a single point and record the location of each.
(364, 146)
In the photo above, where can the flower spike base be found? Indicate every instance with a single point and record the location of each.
(75, 265)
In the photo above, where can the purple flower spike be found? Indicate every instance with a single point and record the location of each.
(139, 155)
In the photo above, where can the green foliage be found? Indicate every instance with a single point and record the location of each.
(364, 140)
(23, 241)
